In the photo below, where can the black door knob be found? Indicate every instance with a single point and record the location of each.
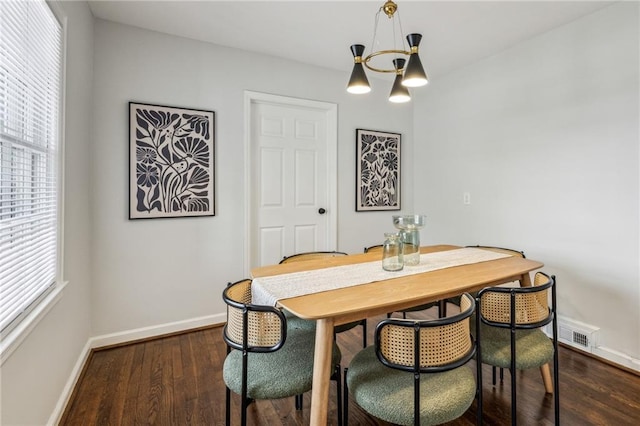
(321, 210)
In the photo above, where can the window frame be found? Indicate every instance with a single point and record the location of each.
(26, 322)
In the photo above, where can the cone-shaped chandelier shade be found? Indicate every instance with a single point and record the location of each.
(414, 75)
(399, 93)
(358, 83)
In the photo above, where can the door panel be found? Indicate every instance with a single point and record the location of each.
(271, 178)
(305, 237)
(271, 245)
(305, 178)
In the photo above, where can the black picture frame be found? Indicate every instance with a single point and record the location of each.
(171, 162)
(377, 170)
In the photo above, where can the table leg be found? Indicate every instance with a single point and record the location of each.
(321, 372)
(525, 280)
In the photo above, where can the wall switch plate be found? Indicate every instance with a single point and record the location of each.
(466, 198)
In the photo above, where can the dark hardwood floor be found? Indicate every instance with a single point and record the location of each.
(177, 380)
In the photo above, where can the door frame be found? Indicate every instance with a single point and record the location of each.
(331, 114)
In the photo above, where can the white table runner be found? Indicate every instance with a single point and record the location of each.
(268, 290)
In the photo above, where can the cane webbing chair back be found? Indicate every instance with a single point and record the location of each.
(265, 329)
(530, 308)
(439, 345)
(518, 307)
(416, 373)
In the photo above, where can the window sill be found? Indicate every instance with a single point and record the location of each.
(12, 341)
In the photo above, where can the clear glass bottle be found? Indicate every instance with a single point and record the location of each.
(392, 253)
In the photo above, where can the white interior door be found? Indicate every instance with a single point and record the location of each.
(292, 177)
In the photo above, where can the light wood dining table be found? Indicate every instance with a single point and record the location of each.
(343, 305)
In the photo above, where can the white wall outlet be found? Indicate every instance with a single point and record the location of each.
(466, 198)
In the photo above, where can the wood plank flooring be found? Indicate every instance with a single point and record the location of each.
(177, 380)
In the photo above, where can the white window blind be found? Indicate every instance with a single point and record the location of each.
(30, 69)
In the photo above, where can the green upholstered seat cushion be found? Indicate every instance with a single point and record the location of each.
(387, 393)
(533, 347)
(279, 374)
(297, 322)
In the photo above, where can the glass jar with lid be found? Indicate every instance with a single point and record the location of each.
(392, 253)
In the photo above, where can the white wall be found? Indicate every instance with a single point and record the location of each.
(149, 273)
(35, 375)
(545, 138)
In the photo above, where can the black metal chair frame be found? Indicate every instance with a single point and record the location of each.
(366, 249)
(416, 369)
(513, 326)
(246, 349)
(339, 253)
(499, 248)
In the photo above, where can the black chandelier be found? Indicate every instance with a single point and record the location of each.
(411, 76)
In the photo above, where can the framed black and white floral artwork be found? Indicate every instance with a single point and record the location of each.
(171, 162)
(377, 170)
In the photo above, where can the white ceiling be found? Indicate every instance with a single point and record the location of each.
(455, 33)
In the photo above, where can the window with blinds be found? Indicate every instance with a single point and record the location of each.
(30, 85)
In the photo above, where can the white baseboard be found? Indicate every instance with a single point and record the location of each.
(56, 416)
(156, 330)
(587, 341)
(123, 337)
(617, 358)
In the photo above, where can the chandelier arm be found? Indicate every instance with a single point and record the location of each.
(366, 60)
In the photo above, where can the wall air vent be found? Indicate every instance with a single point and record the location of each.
(581, 339)
(576, 334)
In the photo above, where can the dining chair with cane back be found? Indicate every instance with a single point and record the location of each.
(268, 357)
(416, 373)
(325, 254)
(456, 300)
(438, 304)
(509, 333)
